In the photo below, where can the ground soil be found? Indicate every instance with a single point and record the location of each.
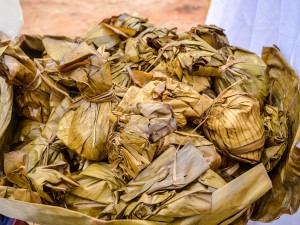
(72, 18)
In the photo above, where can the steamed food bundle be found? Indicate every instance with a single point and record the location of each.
(134, 124)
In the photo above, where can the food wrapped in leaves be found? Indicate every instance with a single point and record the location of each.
(28, 130)
(6, 125)
(52, 182)
(97, 183)
(186, 102)
(85, 127)
(244, 71)
(166, 173)
(212, 34)
(240, 193)
(25, 195)
(284, 94)
(33, 90)
(166, 206)
(133, 147)
(184, 137)
(276, 136)
(190, 61)
(236, 127)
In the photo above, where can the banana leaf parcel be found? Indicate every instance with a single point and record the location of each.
(135, 145)
(244, 71)
(236, 127)
(284, 94)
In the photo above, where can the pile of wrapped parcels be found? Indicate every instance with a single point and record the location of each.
(135, 124)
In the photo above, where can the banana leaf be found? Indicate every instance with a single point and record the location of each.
(130, 25)
(151, 92)
(133, 147)
(170, 171)
(276, 133)
(195, 199)
(85, 128)
(97, 183)
(284, 94)
(244, 71)
(212, 34)
(189, 61)
(84, 206)
(186, 102)
(33, 89)
(46, 214)
(101, 36)
(43, 150)
(236, 127)
(6, 125)
(28, 130)
(25, 195)
(234, 197)
(188, 136)
(81, 64)
(52, 182)
(31, 45)
(168, 206)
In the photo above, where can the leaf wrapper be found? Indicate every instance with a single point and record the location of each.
(133, 147)
(236, 127)
(284, 94)
(246, 72)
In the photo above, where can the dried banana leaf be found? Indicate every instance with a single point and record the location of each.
(89, 69)
(34, 90)
(6, 106)
(28, 130)
(244, 71)
(131, 149)
(52, 182)
(128, 24)
(167, 206)
(166, 173)
(25, 195)
(101, 36)
(189, 61)
(31, 45)
(240, 193)
(151, 92)
(186, 102)
(188, 136)
(284, 94)
(84, 206)
(97, 183)
(43, 150)
(276, 133)
(212, 34)
(45, 214)
(85, 128)
(236, 127)
(193, 200)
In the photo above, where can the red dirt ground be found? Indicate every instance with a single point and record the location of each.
(72, 18)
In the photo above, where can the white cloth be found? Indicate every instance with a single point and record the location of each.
(11, 17)
(252, 24)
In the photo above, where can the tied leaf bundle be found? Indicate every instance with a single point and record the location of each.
(236, 127)
(133, 148)
(244, 71)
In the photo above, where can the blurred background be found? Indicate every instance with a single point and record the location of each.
(72, 18)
